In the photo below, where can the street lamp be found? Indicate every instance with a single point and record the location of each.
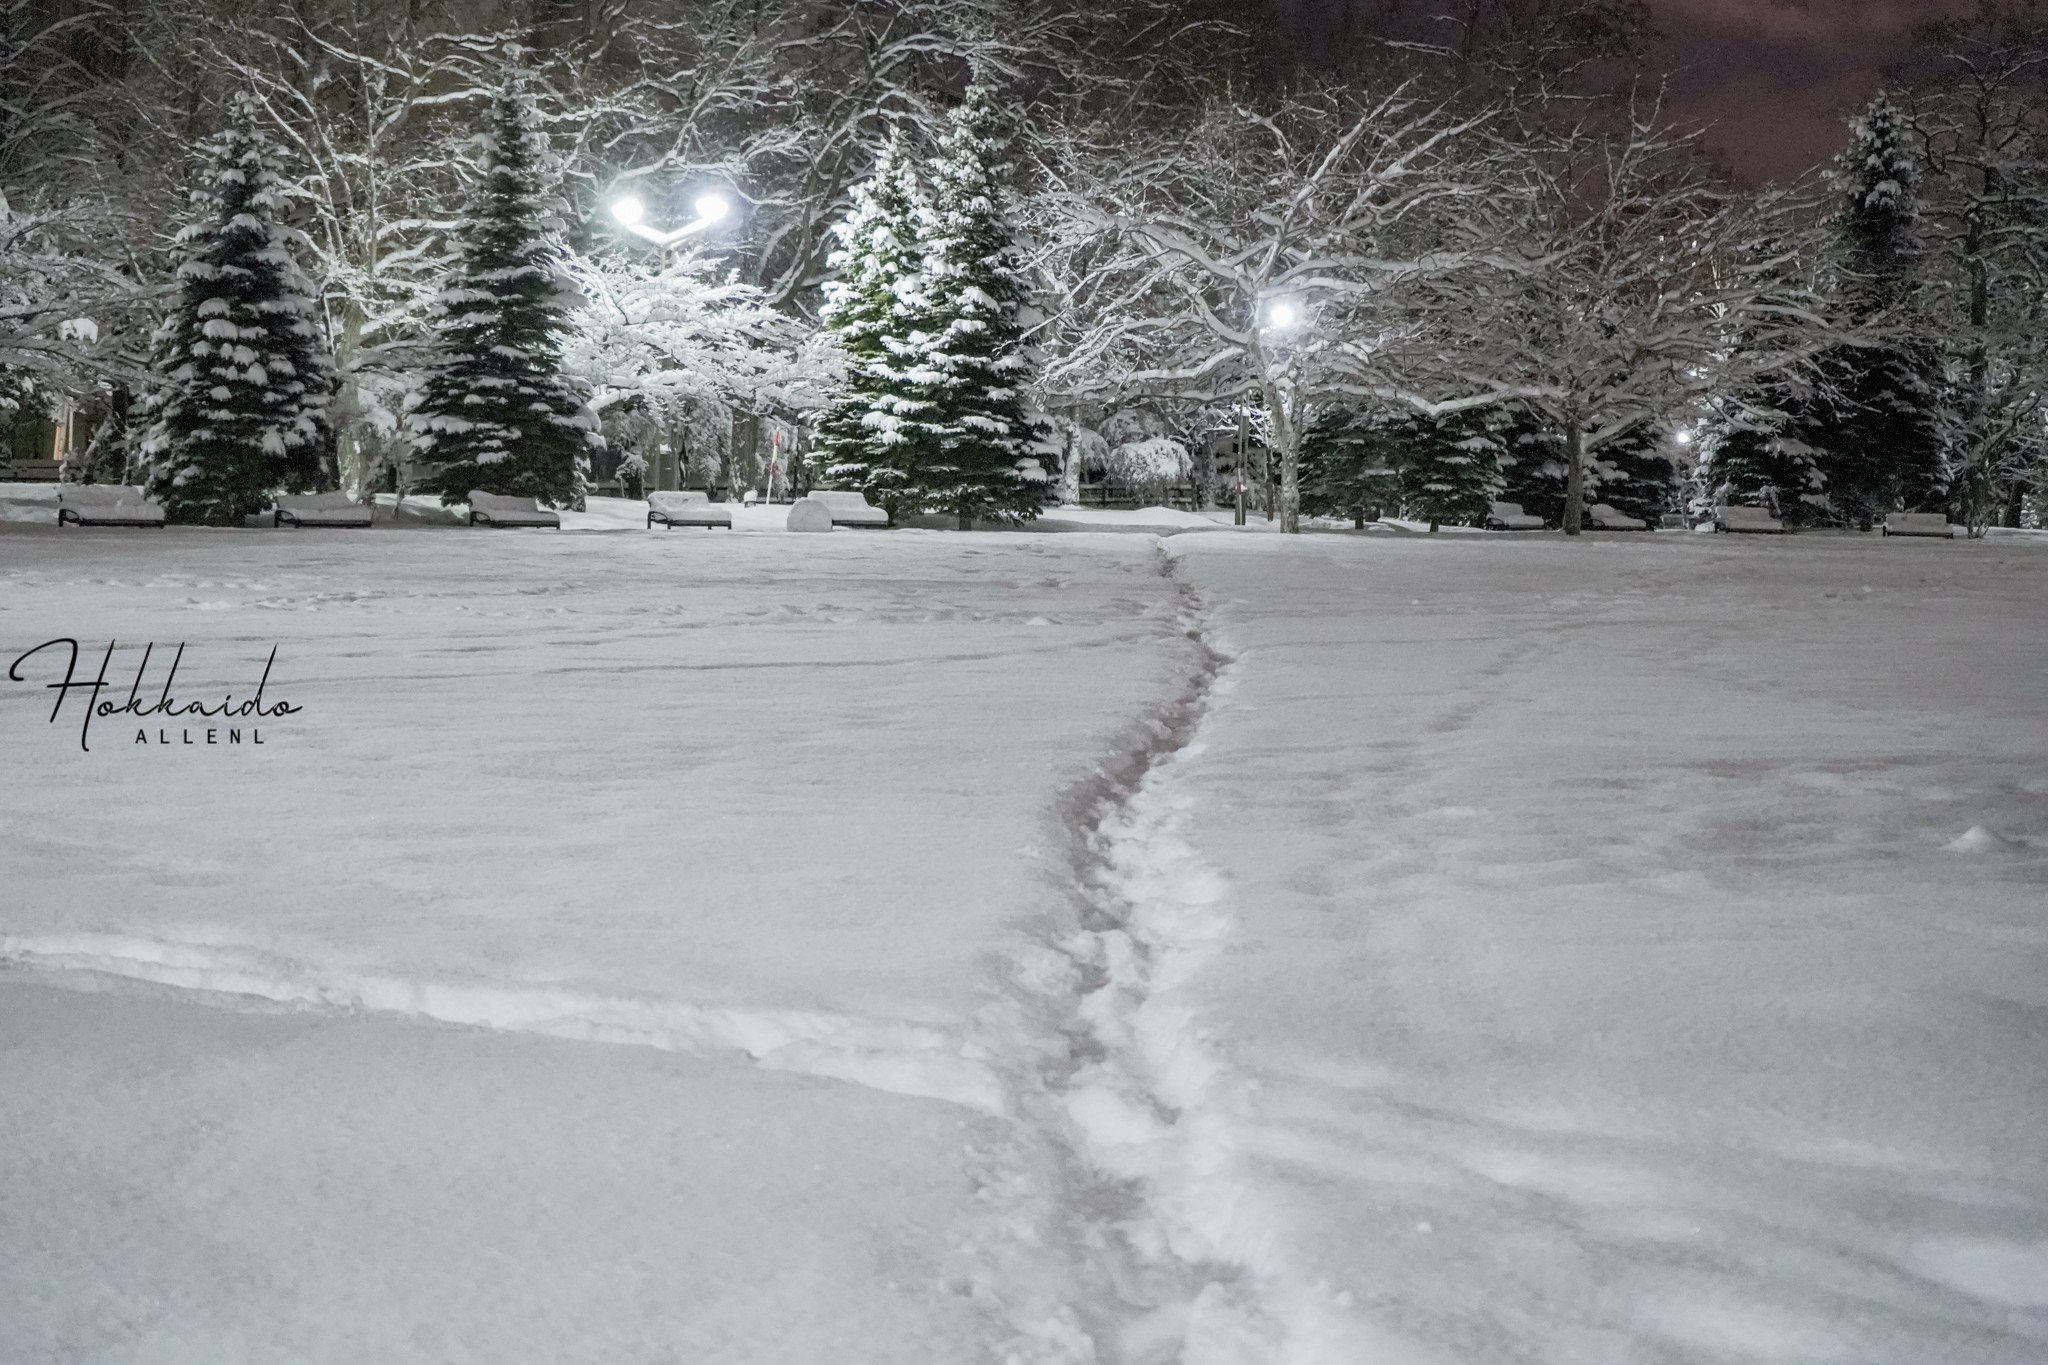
(711, 206)
(1281, 314)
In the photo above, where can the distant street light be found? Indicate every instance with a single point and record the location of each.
(711, 206)
(1282, 314)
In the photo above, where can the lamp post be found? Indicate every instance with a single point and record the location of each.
(1280, 316)
(712, 208)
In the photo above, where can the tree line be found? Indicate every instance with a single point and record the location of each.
(1425, 264)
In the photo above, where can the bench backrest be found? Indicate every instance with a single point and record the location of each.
(1745, 516)
(1604, 510)
(1508, 509)
(1917, 521)
(663, 501)
(317, 502)
(843, 502)
(492, 502)
(99, 495)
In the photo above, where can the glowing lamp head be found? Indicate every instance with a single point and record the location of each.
(1684, 438)
(628, 210)
(1281, 313)
(711, 207)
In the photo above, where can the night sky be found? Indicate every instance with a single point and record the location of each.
(1777, 77)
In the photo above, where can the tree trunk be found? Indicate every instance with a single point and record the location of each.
(1575, 475)
(1290, 482)
(1243, 450)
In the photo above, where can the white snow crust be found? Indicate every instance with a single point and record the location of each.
(1223, 949)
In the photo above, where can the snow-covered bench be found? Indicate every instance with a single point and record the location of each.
(850, 509)
(1753, 520)
(107, 504)
(1918, 524)
(685, 509)
(493, 510)
(1509, 516)
(321, 509)
(1608, 518)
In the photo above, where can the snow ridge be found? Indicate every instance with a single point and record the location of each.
(1180, 1264)
(900, 1058)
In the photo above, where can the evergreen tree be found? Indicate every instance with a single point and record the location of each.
(1757, 466)
(245, 378)
(1751, 453)
(1630, 473)
(1533, 472)
(1635, 476)
(499, 414)
(1449, 467)
(1348, 467)
(872, 434)
(983, 444)
(1874, 420)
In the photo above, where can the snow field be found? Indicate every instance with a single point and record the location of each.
(1602, 988)
(191, 1183)
(787, 799)
(1241, 949)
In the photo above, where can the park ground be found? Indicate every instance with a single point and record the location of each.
(917, 946)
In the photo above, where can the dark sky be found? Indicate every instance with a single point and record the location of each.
(1777, 77)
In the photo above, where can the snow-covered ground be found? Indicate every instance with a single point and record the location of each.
(920, 947)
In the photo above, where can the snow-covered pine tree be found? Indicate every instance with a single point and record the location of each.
(499, 413)
(244, 374)
(1875, 419)
(1347, 467)
(1449, 467)
(1634, 474)
(871, 434)
(972, 360)
(1753, 458)
(1533, 471)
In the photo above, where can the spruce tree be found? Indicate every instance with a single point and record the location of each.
(498, 413)
(1348, 467)
(1874, 418)
(244, 374)
(869, 436)
(1449, 468)
(1634, 475)
(1533, 473)
(973, 364)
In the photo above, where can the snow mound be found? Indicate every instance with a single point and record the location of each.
(1978, 839)
(809, 515)
(889, 1055)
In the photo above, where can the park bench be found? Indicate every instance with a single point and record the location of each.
(1749, 520)
(1608, 518)
(850, 509)
(672, 509)
(1918, 524)
(1509, 516)
(107, 504)
(29, 471)
(492, 510)
(321, 509)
